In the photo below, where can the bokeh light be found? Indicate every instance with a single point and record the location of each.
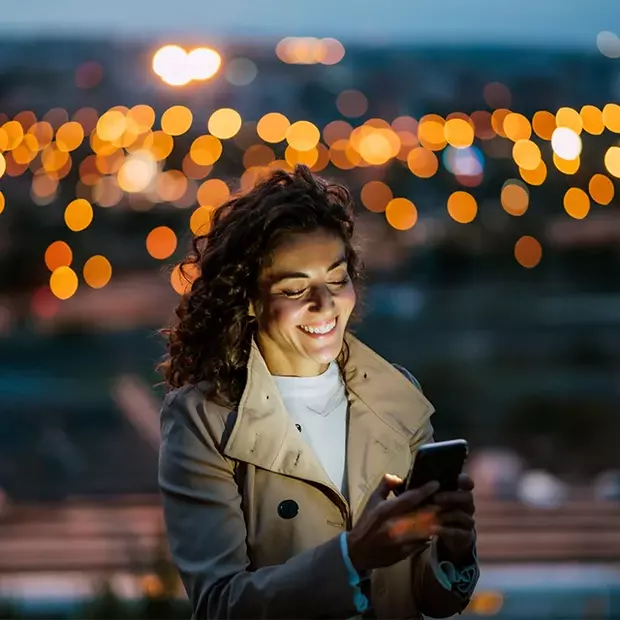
(63, 282)
(176, 120)
(352, 103)
(137, 172)
(401, 214)
(258, 155)
(161, 242)
(517, 127)
(206, 150)
(97, 271)
(566, 166)
(142, 116)
(88, 74)
(543, 123)
(611, 117)
(526, 154)
(111, 125)
(310, 50)
(69, 136)
(241, 71)
(58, 254)
(576, 203)
(14, 133)
(171, 64)
(200, 220)
(462, 207)
(515, 198)
(601, 189)
(78, 214)
(203, 63)
(592, 120)
(181, 279)
(422, 162)
(431, 132)
(459, 133)
(528, 251)
(294, 157)
(212, 193)
(497, 121)
(536, 176)
(303, 135)
(224, 123)
(376, 195)
(483, 128)
(612, 161)
(171, 185)
(273, 127)
(497, 95)
(569, 118)
(566, 143)
(608, 44)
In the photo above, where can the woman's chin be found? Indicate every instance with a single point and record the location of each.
(327, 353)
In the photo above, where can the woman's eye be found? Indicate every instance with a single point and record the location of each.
(342, 282)
(289, 293)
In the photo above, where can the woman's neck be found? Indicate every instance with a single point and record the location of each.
(282, 365)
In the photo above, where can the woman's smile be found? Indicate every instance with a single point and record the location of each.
(320, 330)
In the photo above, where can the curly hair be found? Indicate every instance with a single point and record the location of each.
(212, 337)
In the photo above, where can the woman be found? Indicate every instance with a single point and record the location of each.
(284, 435)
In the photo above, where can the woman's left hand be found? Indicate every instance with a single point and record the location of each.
(455, 527)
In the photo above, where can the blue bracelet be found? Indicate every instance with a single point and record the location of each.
(359, 598)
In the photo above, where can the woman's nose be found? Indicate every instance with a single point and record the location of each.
(322, 299)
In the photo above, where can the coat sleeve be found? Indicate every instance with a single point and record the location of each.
(416, 584)
(431, 596)
(207, 533)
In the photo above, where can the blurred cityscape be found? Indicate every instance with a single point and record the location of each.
(486, 181)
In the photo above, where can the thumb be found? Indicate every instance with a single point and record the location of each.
(388, 483)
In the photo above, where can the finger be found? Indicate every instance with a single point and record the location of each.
(455, 500)
(411, 501)
(415, 526)
(387, 484)
(456, 519)
(465, 483)
(455, 536)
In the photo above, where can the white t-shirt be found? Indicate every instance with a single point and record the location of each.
(318, 407)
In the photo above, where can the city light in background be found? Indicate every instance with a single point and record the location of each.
(177, 67)
(128, 149)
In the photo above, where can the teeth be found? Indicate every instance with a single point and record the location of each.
(320, 329)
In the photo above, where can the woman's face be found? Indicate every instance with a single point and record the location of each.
(305, 300)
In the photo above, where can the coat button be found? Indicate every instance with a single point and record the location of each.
(298, 427)
(288, 509)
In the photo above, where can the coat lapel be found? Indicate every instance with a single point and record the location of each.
(385, 412)
(264, 434)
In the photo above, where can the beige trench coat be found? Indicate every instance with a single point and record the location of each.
(224, 476)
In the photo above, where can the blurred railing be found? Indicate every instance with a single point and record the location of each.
(128, 535)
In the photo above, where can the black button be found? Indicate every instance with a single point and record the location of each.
(298, 427)
(288, 509)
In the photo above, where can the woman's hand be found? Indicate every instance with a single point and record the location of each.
(389, 530)
(455, 528)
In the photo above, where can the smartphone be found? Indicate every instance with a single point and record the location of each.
(442, 461)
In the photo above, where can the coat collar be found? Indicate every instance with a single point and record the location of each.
(385, 412)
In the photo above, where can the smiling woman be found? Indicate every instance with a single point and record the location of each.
(305, 299)
(281, 430)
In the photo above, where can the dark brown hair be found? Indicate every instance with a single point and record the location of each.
(212, 337)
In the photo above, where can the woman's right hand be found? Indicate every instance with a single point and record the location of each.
(389, 530)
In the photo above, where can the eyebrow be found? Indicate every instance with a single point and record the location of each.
(300, 274)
